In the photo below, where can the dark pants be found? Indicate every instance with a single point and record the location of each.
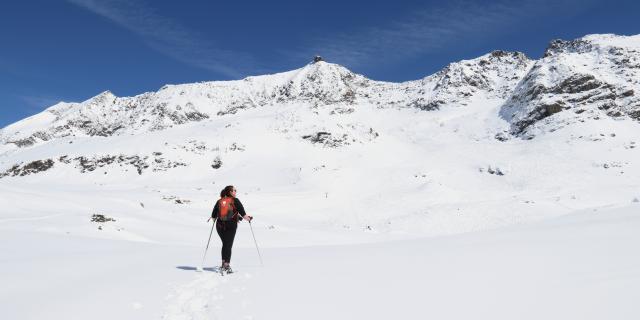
(227, 232)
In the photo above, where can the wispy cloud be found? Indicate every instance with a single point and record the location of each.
(171, 38)
(38, 103)
(429, 30)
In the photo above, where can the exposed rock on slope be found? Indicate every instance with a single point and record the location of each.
(591, 77)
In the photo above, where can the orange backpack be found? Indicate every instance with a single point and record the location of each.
(227, 209)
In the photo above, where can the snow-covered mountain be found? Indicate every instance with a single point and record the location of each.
(348, 179)
(594, 72)
(309, 128)
(316, 85)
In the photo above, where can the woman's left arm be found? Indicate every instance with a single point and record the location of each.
(240, 209)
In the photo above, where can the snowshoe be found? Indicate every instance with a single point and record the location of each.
(225, 268)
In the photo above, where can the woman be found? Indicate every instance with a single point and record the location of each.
(228, 210)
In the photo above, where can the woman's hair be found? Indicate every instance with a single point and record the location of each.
(226, 192)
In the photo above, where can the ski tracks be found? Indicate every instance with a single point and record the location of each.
(210, 296)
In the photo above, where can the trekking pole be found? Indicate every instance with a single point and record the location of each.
(199, 269)
(254, 241)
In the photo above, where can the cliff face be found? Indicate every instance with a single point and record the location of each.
(589, 78)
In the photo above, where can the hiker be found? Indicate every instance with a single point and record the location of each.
(228, 210)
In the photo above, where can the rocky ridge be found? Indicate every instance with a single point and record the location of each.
(592, 76)
(316, 85)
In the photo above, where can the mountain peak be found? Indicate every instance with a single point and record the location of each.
(493, 74)
(324, 69)
(105, 97)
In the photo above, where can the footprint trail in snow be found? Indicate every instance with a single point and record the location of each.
(209, 296)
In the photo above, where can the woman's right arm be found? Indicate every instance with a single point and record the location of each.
(214, 213)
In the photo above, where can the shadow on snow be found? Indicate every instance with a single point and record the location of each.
(189, 268)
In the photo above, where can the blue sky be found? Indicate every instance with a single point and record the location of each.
(71, 50)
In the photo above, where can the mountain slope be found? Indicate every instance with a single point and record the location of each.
(345, 144)
(591, 77)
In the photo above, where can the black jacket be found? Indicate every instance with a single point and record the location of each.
(236, 204)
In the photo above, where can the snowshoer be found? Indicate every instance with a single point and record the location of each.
(228, 210)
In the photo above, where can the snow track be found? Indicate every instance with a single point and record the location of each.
(209, 296)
